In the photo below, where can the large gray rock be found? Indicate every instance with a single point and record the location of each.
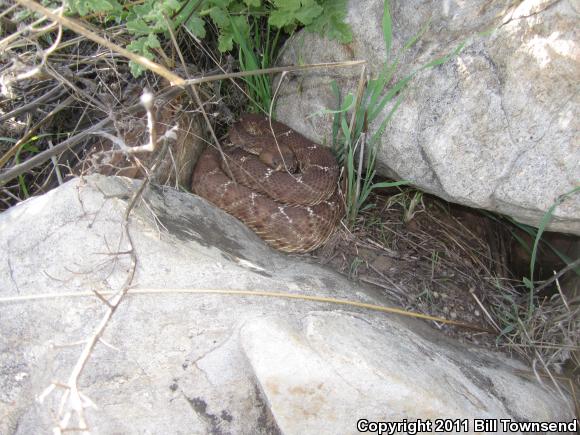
(185, 363)
(494, 128)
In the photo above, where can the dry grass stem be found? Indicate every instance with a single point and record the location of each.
(145, 291)
(489, 316)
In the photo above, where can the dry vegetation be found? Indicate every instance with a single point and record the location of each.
(453, 262)
(60, 91)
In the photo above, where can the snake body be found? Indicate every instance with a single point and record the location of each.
(285, 188)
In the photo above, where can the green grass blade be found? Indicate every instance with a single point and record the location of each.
(258, 86)
(384, 184)
(543, 223)
(336, 121)
(416, 37)
(377, 86)
(346, 105)
(387, 27)
(398, 87)
(379, 132)
(441, 60)
(532, 232)
(274, 46)
(345, 130)
(522, 242)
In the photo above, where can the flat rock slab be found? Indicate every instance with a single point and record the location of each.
(495, 127)
(196, 363)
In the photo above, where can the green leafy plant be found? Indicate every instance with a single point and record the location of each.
(234, 19)
(353, 141)
(85, 7)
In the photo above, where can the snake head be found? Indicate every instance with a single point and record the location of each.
(279, 160)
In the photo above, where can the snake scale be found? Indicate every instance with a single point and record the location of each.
(285, 188)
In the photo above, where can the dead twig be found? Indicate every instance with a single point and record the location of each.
(50, 95)
(275, 70)
(30, 28)
(191, 90)
(489, 316)
(31, 131)
(556, 276)
(73, 402)
(42, 157)
(270, 110)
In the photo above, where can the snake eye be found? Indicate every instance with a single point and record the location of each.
(277, 163)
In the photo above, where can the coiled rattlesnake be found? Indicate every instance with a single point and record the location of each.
(285, 189)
